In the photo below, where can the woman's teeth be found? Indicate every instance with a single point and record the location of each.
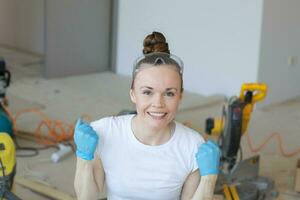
(157, 114)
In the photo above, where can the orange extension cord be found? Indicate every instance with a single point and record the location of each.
(280, 143)
(58, 131)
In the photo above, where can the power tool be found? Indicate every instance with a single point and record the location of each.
(239, 179)
(7, 146)
(5, 123)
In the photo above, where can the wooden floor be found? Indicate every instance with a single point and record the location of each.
(98, 95)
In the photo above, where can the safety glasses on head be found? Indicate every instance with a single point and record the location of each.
(156, 59)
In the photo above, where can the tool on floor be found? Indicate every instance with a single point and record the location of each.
(7, 167)
(5, 123)
(64, 150)
(7, 146)
(239, 177)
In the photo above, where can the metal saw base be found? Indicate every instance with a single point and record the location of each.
(249, 186)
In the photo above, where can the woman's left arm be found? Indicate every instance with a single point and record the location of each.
(194, 189)
(208, 158)
(190, 185)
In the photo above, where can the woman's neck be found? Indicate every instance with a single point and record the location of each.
(149, 135)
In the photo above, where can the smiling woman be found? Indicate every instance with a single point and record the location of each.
(156, 94)
(147, 155)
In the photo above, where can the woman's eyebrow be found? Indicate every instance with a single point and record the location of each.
(150, 88)
(146, 87)
(168, 89)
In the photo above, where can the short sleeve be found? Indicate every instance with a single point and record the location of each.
(200, 140)
(191, 139)
(100, 127)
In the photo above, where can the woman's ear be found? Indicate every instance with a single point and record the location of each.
(132, 96)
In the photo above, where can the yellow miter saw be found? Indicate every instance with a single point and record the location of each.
(7, 166)
(7, 146)
(239, 179)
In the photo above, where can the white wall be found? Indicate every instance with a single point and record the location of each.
(30, 21)
(8, 22)
(77, 37)
(217, 40)
(22, 24)
(280, 39)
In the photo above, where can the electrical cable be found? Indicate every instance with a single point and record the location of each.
(33, 151)
(58, 132)
(277, 137)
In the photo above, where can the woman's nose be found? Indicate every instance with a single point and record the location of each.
(158, 101)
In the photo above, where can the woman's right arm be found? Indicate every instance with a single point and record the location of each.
(89, 178)
(89, 175)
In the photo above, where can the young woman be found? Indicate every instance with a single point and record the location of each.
(147, 155)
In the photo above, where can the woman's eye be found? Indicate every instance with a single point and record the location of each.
(170, 94)
(147, 92)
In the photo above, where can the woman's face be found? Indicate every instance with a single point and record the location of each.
(157, 94)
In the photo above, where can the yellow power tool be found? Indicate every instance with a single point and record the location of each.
(7, 166)
(7, 146)
(239, 179)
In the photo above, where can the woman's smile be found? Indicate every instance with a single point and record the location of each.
(157, 115)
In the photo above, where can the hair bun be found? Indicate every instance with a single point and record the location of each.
(155, 42)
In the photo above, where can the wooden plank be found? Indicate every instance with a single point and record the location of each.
(43, 189)
(297, 177)
(218, 197)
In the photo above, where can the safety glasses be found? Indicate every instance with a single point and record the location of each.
(156, 59)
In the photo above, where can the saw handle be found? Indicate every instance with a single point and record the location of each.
(259, 91)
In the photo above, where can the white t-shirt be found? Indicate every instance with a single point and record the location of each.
(134, 170)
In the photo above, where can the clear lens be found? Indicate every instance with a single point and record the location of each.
(158, 58)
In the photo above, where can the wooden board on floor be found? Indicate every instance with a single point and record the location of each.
(297, 178)
(43, 189)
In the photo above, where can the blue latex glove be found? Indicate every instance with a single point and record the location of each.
(86, 140)
(208, 158)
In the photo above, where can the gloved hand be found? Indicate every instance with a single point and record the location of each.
(86, 140)
(208, 158)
